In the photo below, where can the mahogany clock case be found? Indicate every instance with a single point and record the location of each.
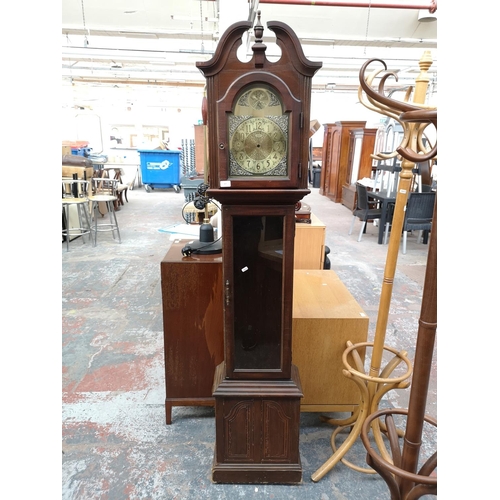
(289, 78)
(258, 135)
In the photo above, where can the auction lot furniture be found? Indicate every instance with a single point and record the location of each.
(363, 211)
(192, 326)
(325, 316)
(336, 154)
(104, 193)
(75, 205)
(309, 251)
(385, 201)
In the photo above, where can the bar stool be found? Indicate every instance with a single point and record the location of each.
(75, 193)
(104, 192)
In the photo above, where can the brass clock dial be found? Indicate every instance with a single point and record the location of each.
(258, 146)
(258, 134)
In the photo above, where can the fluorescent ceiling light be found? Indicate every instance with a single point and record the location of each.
(139, 34)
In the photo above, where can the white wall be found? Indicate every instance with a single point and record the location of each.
(137, 107)
(333, 106)
(179, 109)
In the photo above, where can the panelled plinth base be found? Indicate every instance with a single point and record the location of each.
(235, 473)
(257, 425)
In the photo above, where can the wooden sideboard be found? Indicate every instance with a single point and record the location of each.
(325, 316)
(192, 326)
(309, 251)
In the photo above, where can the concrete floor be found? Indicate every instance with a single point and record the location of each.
(115, 442)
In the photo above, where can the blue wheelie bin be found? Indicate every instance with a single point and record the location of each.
(160, 169)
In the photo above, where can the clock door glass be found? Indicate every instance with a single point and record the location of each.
(258, 278)
(258, 134)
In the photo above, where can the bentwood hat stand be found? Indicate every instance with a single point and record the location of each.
(378, 380)
(400, 472)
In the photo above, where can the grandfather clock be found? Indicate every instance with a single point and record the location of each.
(258, 133)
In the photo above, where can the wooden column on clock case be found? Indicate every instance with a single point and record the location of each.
(335, 157)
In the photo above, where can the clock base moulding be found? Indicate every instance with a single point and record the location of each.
(258, 425)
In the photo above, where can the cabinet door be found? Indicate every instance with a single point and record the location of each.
(331, 161)
(200, 145)
(258, 277)
(355, 147)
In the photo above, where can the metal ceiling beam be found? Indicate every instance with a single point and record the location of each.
(430, 6)
(120, 81)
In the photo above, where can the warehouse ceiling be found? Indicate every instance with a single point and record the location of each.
(158, 42)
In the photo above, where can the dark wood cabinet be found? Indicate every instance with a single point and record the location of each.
(335, 157)
(192, 326)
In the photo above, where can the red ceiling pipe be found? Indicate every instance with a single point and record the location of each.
(431, 6)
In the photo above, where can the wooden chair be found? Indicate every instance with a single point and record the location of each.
(121, 188)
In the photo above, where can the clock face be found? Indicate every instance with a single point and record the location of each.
(258, 146)
(258, 135)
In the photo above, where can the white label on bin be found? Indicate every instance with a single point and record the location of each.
(225, 184)
(154, 165)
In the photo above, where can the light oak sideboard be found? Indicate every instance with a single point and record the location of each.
(325, 317)
(309, 251)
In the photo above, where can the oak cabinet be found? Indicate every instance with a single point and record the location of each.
(309, 250)
(200, 148)
(325, 317)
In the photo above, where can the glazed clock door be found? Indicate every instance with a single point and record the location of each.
(256, 288)
(256, 144)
